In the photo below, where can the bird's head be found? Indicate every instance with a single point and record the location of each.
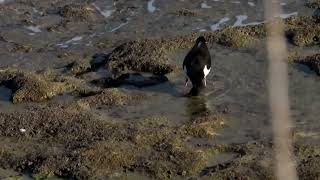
(200, 41)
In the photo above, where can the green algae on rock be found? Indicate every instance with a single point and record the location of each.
(77, 11)
(79, 67)
(108, 158)
(143, 55)
(302, 30)
(307, 36)
(187, 12)
(111, 97)
(313, 3)
(50, 138)
(28, 87)
(313, 62)
(25, 48)
(240, 37)
(151, 131)
(204, 127)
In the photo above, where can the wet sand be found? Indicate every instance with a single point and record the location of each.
(95, 89)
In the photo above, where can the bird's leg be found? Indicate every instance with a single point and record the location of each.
(205, 82)
(186, 82)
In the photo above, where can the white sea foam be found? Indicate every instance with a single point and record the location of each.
(151, 7)
(204, 5)
(71, 41)
(216, 26)
(240, 19)
(118, 27)
(284, 16)
(77, 38)
(252, 4)
(105, 13)
(34, 29)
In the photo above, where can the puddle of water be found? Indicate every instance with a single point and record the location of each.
(5, 93)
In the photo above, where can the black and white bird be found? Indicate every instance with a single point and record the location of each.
(197, 65)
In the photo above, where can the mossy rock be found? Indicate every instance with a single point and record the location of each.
(79, 67)
(77, 11)
(297, 22)
(305, 36)
(142, 55)
(313, 3)
(174, 158)
(241, 37)
(24, 48)
(187, 12)
(204, 126)
(153, 130)
(313, 62)
(108, 158)
(30, 87)
(309, 168)
(111, 97)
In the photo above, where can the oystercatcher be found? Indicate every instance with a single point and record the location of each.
(197, 65)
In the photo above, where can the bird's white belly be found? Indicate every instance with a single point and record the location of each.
(206, 71)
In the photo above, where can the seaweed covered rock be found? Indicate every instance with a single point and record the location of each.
(240, 37)
(45, 140)
(313, 3)
(111, 97)
(107, 158)
(79, 67)
(54, 123)
(151, 131)
(254, 161)
(77, 11)
(133, 79)
(305, 36)
(204, 127)
(309, 168)
(313, 62)
(302, 30)
(187, 12)
(143, 56)
(28, 87)
(174, 159)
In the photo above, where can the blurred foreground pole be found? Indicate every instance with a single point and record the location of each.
(278, 93)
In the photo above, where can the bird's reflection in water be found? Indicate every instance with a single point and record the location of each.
(197, 107)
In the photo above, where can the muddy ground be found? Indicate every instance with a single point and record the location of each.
(94, 90)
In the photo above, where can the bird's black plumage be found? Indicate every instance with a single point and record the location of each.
(197, 64)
